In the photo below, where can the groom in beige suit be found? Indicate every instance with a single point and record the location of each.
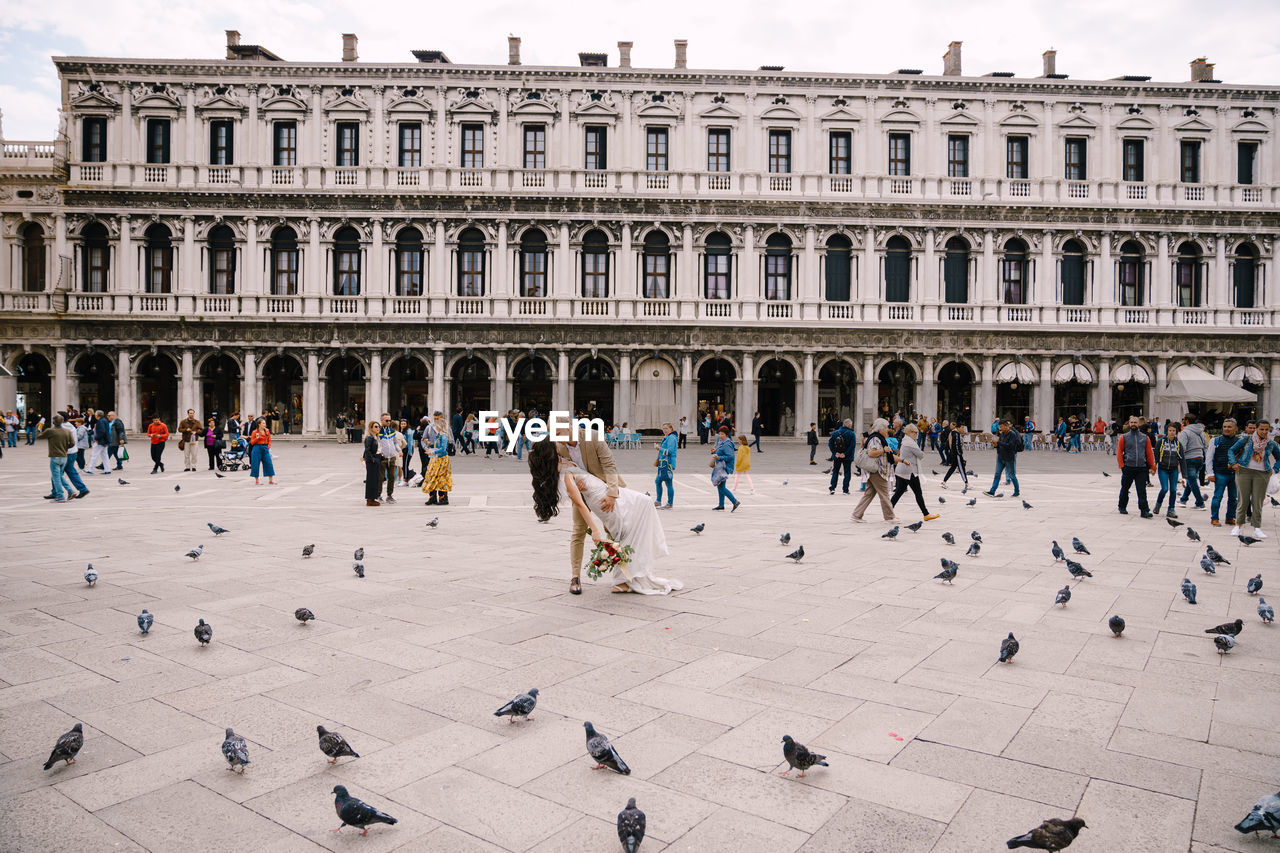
(594, 457)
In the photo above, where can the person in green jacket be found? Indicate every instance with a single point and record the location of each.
(60, 441)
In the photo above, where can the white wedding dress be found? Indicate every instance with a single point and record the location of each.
(634, 522)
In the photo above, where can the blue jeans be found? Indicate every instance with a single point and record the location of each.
(845, 466)
(1169, 485)
(1223, 483)
(13, 438)
(260, 457)
(1027, 438)
(664, 476)
(1194, 467)
(755, 442)
(73, 474)
(57, 465)
(723, 491)
(1075, 443)
(1010, 469)
(31, 435)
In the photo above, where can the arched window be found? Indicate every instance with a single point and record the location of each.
(719, 264)
(159, 252)
(777, 267)
(897, 270)
(284, 262)
(657, 265)
(839, 268)
(33, 260)
(346, 262)
(222, 260)
(1072, 273)
(1244, 276)
(409, 261)
(595, 264)
(1130, 284)
(533, 263)
(95, 256)
(1188, 276)
(955, 271)
(1013, 273)
(471, 263)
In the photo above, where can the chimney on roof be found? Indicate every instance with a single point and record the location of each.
(682, 53)
(1201, 70)
(513, 50)
(624, 54)
(233, 40)
(349, 47)
(1050, 63)
(951, 60)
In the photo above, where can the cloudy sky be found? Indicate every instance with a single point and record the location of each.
(1095, 39)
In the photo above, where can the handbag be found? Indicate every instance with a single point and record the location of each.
(1273, 485)
(123, 455)
(719, 474)
(182, 444)
(219, 444)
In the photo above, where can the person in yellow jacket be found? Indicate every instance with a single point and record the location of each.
(742, 463)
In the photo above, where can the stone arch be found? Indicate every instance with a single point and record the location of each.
(1089, 242)
(337, 354)
(612, 233)
(424, 357)
(643, 231)
(941, 361)
(911, 235)
(205, 355)
(453, 233)
(734, 234)
(514, 362)
(763, 358)
(464, 355)
(606, 356)
(914, 361)
(703, 359)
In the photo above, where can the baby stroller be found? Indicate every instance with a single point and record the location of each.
(234, 457)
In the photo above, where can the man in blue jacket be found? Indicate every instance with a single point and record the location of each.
(1008, 446)
(843, 444)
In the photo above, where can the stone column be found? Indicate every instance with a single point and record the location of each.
(438, 283)
(1162, 282)
(1162, 378)
(60, 252)
(127, 277)
(746, 394)
(988, 276)
(1102, 392)
(376, 285)
(866, 410)
(373, 387)
(502, 263)
(124, 396)
(985, 407)
(251, 277)
(439, 402)
(623, 412)
(809, 286)
(1270, 402)
(190, 264)
(687, 284)
(1044, 397)
(311, 395)
(1046, 284)
(927, 397)
(930, 281)
(186, 384)
(626, 281)
(564, 265)
(1218, 296)
(1105, 293)
(868, 288)
(563, 401)
(808, 410)
(500, 400)
(249, 384)
(314, 263)
(688, 391)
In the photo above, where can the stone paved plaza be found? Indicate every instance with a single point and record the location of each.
(1157, 741)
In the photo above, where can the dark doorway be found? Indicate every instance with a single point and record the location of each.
(157, 391)
(593, 386)
(776, 398)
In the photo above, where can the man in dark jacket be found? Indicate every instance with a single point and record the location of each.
(1008, 446)
(98, 453)
(812, 438)
(757, 429)
(1137, 461)
(61, 441)
(843, 444)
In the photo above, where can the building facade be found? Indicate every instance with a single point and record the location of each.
(638, 244)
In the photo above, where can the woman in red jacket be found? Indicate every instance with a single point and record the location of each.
(159, 435)
(260, 453)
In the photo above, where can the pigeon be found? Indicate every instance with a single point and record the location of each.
(974, 548)
(204, 632)
(1254, 586)
(797, 554)
(303, 615)
(972, 502)
(122, 481)
(1265, 610)
(1057, 552)
(435, 522)
(357, 813)
(1188, 590)
(975, 536)
(599, 748)
(785, 539)
(892, 533)
(1078, 571)
(360, 554)
(971, 474)
(1172, 522)
(1248, 540)
(90, 576)
(1063, 596)
(219, 476)
(784, 482)
(144, 622)
(799, 757)
(1079, 546)
(1105, 474)
(941, 499)
(1192, 535)
(358, 568)
(948, 538)
(334, 745)
(1265, 815)
(698, 528)
(934, 473)
(1225, 643)
(66, 747)
(1215, 556)
(308, 550)
(1274, 502)
(1008, 648)
(631, 826)
(948, 572)
(218, 531)
(999, 494)
(1116, 624)
(195, 552)
(1207, 565)
(235, 750)
(521, 706)
(1026, 505)
(1232, 628)
(1054, 834)
(915, 528)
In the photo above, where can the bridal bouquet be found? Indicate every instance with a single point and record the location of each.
(606, 556)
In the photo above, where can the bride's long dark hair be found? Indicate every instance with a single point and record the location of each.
(544, 466)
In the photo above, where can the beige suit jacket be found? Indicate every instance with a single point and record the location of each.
(598, 460)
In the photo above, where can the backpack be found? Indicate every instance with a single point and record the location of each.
(388, 448)
(838, 443)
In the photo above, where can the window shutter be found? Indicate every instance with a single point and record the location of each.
(231, 143)
(602, 141)
(164, 141)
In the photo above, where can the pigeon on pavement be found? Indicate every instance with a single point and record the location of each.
(602, 751)
(1265, 815)
(915, 527)
(334, 745)
(1248, 540)
(631, 826)
(1225, 643)
(1254, 586)
(1189, 590)
(799, 757)
(1008, 648)
(1078, 571)
(90, 576)
(797, 554)
(1274, 502)
(219, 476)
(303, 615)
(1232, 628)
(1192, 535)
(941, 499)
(66, 747)
(948, 538)
(521, 706)
(975, 536)
(1078, 545)
(892, 533)
(698, 528)
(217, 531)
(360, 554)
(1265, 610)
(1116, 624)
(972, 502)
(1105, 474)
(235, 750)
(435, 522)
(1063, 596)
(974, 548)
(785, 539)
(999, 494)
(1057, 552)
(1207, 565)
(1215, 556)
(1172, 522)
(357, 813)
(358, 568)
(308, 550)
(949, 570)
(195, 552)
(122, 481)
(204, 632)
(177, 488)
(144, 622)
(1054, 834)
(1026, 505)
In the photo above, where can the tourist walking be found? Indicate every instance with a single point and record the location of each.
(11, 424)
(438, 479)
(666, 465)
(841, 443)
(907, 472)
(159, 434)
(1222, 474)
(1254, 457)
(1192, 445)
(372, 465)
(83, 440)
(390, 446)
(682, 429)
(260, 453)
(61, 442)
(1168, 462)
(875, 459)
(723, 458)
(80, 435)
(812, 438)
(953, 456)
(406, 453)
(212, 438)
(1008, 446)
(757, 429)
(1136, 460)
(742, 463)
(99, 447)
(188, 429)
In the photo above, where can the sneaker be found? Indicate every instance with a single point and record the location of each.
(717, 509)
(1258, 534)
(50, 497)
(1123, 511)
(82, 494)
(990, 494)
(1147, 515)
(813, 463)
(931, 517)
(857, 520)
(1183, 502)
(1171, 514)
(944, 485)
(389, 500)
(1199, 506)
(831, 491)
(736, 504)
(1235, 531)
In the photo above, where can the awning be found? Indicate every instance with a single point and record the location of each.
(1015, 371)
(1187, 382)
(1129, 372)
(1073, 372)
(1246, 373)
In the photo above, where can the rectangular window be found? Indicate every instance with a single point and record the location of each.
(285, 144)
(160, 269)
(221, 271)
(655, 147)
(596, 147)
(409, 272)
(1190, 160)
(957, 156)
(347, 273)
(717, 284)
(1017, 149)
(595, 275)
(473, 146)
(777, 277)
(718, 149)
(93, 144)
(284, 279)
(157, 140)
(1188, 284)
(1014, 274)
(900, 154)
(1130, 283)
(535, 146)
(410, 145)
(779, 152)
(1246, 162)
(471, 272)
(657, 274)
(221, 134)
(96, 261)
(1076, 167)
(1134, 162)
(348, 143)
(841, 146)
(533, 274)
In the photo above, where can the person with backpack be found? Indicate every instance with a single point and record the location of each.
(390, 445)
(876, 460)
(1168, 452)
(812, 439)
(1192, 444)
(438, 478)
(842, 443)
(98, 450)
(1008, 446)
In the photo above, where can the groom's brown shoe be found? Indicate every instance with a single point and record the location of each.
(575, 586)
